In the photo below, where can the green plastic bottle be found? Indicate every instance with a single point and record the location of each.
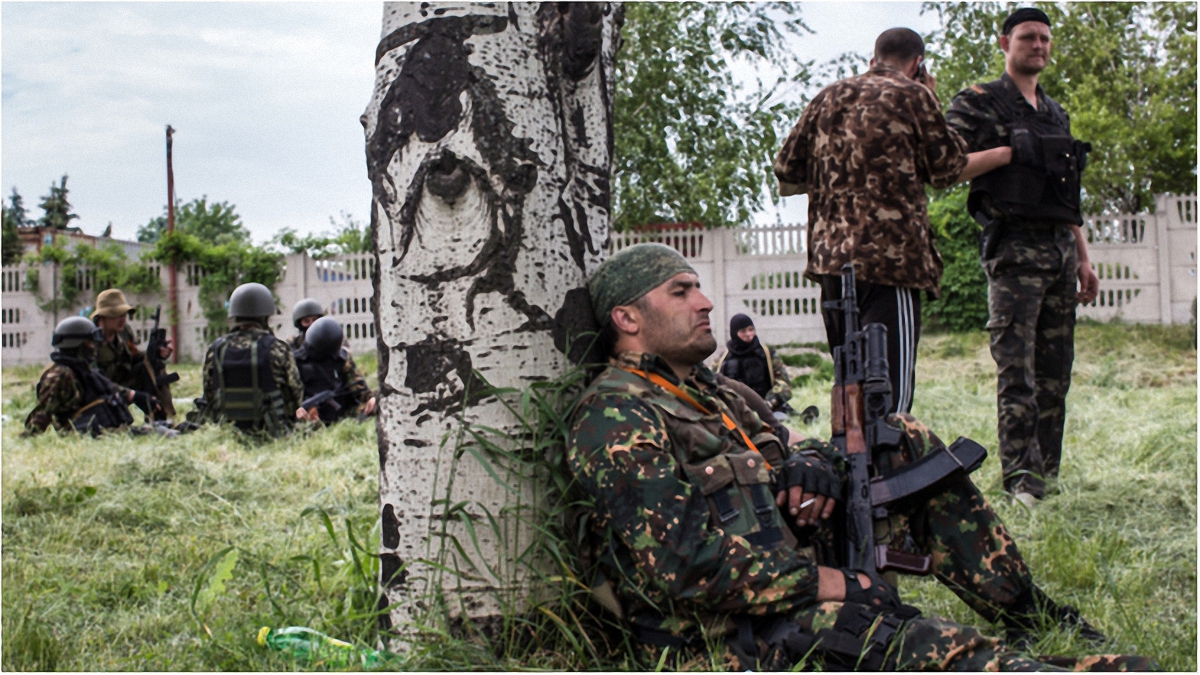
(318, 649)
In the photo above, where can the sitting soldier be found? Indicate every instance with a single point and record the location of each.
(118, 357)
(754, 364)
(250, 376)
(690, 545)
(72, 394)
(322, 362)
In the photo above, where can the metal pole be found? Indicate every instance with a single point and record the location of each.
(174, 299)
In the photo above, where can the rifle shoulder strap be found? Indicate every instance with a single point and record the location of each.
(770, 366)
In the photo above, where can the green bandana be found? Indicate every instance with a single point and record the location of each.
(631, 273)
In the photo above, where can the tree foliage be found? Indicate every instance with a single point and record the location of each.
(14, 216)
(348, 236)
(690, 143)
(107, 265)
(1126, 73)
(224, 267)
(216, 223)
(56, 207)
(963, 305)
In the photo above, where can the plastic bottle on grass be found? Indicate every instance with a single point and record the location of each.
(317, 648)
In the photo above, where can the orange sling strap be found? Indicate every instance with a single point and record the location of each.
(683, 396)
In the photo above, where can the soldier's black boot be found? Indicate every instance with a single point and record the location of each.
(1033, 611)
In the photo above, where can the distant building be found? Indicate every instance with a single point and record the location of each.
(34, 238)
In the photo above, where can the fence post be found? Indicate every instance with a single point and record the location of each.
(1162, 248)
(717, 240)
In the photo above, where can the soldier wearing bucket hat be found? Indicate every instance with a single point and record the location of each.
(118, 356)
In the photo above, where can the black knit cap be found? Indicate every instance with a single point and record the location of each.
(738, 322)
(1021, 16)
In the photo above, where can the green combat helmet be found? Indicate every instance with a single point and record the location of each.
(72, 332)
(306, 307)
(251, 301)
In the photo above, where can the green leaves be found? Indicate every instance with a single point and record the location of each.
(690, 143)
(219, 570)
(963, 305)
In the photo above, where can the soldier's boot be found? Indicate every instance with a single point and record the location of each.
(1033, 611)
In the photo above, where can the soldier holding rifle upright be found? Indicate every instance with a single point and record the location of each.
(863, 151)
(689, 540)
(1033, 249)
(118, 356)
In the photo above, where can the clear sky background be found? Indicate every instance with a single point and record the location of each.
(264, 97)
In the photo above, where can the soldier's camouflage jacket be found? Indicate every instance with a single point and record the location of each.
(662, 474)
(283, 367)
(117, 361)
(59, 397)
(863, 151)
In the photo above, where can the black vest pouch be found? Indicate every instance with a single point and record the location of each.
(246, 385)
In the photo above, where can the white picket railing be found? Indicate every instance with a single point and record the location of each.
(1146, 264)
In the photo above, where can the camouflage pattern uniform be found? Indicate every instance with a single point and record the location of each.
(863, 151)
(120, 362)
(1031, 309)
(682, 533)
(59, 397)
(283, 368)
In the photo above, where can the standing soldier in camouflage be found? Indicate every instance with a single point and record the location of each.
(72, 394)
(118, 357)
(1033, 249)
(689, 539)
(863, 151)
(250, 376)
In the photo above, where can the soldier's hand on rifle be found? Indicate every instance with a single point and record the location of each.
(167, 349)
(369, 407)
(311, 415)
(810, 488)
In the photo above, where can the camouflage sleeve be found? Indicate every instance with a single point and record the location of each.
(620, 452)
(791, 164)
(975, 119)
(356, 382)
(57, 398)
(291, 387)
(208, 378)
(942, 152)
(782, 387)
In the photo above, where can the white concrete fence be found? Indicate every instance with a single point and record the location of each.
(1146, 264)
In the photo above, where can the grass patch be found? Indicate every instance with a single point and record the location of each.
(136, 553)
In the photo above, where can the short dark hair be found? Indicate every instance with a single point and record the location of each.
(899, 45)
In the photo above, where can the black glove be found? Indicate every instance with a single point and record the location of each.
(880, 595)
(1024, 148)
(813, 474)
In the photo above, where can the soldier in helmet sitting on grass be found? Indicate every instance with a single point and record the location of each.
(706, 529)
(325, 366)
(72, 394)
(250, 377)
(304, 314)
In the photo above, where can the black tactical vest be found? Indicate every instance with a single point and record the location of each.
(246, 390)
(102, 405)
(321, 374)
(750, 367)
(1044, 190)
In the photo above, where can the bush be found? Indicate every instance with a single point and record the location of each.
(963, 305)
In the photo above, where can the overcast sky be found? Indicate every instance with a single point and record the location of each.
(264, 97)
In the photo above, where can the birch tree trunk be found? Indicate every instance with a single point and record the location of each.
(489, 146)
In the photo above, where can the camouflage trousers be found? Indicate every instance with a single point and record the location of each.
(1031, 319)
(922, 643)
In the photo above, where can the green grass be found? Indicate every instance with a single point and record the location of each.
(112, 547)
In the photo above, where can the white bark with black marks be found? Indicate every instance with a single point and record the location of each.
(489, 147)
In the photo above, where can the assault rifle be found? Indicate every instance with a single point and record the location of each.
(328, 397)
(862, 400)
(158, 340)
